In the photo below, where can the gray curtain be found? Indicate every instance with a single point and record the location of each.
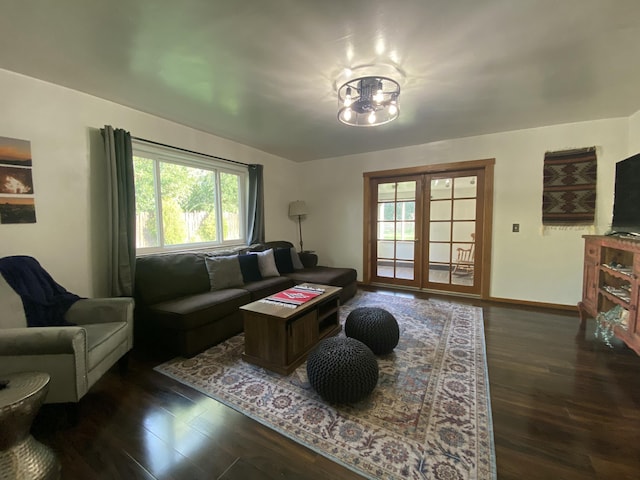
(255, 226)
(122, 211)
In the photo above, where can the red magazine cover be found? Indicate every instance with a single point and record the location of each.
(294, 296)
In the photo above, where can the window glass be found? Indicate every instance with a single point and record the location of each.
(230, 188)
(186, 201)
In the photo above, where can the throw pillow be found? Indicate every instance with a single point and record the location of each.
(250, 268)
(295, 259)
(283, 260)
(267, 263)
(224, 272)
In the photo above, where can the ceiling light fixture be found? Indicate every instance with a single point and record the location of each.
(368, 100)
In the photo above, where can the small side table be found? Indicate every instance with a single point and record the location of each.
(308, 258)
(21, 456)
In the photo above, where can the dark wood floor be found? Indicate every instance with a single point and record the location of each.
(565, 406)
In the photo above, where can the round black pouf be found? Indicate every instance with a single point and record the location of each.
(342, 370)
(375, 327)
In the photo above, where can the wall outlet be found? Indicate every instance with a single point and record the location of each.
(516, 227)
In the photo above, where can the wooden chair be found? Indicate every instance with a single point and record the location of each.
(465, 259)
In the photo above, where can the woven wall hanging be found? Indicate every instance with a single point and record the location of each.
(569, 188)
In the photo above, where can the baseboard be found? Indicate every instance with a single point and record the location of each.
(512, 301)
(527, 303)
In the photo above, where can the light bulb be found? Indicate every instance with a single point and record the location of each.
(372, 117)
(393, 108)
(347, 114)
(347, 97)
(378, 96)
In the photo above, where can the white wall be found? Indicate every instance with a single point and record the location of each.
(528, 265)
(63, 125)
(68, 238)
(634, 134)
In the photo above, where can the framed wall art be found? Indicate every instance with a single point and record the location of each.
(17, 201)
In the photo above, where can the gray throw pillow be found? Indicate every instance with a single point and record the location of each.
(224, 272)
(295, 259)
(267, 263)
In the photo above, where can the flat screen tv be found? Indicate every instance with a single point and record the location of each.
(626, 201)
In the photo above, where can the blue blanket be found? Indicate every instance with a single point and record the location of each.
(45, 302)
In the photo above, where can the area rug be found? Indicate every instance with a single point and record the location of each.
(429, 417)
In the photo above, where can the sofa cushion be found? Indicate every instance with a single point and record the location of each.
(338, 277)
(267, 263)
(283, 260)
(267, 287)
(12, 310)
(170, 275)
(224, 272)
(249, 268)
(196, 310)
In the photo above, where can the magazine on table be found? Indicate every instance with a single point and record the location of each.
(297, 295)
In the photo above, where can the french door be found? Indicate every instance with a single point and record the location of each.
(427, 230)
(397, 226)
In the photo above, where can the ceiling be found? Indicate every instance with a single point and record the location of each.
(262, 72)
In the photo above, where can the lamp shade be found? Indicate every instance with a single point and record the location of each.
(297, 208)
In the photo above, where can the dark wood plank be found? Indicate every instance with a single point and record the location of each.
(564, 406)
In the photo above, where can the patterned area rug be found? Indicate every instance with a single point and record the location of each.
(428, 418)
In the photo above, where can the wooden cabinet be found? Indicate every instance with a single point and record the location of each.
(611, 279)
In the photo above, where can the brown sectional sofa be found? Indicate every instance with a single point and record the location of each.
(178, 313)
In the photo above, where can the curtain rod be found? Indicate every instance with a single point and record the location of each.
(188, 151)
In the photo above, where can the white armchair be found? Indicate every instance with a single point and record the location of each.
(74, 356)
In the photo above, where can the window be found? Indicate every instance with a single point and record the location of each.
(186, 200)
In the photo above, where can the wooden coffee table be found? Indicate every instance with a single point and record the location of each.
(279, 338)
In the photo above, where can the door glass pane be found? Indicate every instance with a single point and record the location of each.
(462, 279)
(405, 230)
(406, 210)
(463, 231)
(385, 268)
(464, 209)
(440, 188)
(386, 230)
(405, 270)
(441, 210)
(385, 211)
(440, 232)
(439, 252)
(404, 250)
(439, 273)
(406, 191)
(385, 249)
(386, 192)
(463, 265)
(464, 187)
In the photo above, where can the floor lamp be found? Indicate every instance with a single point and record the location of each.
(298, 209)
